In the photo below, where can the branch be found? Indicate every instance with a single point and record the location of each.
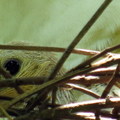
(47, 49)
(7, 75)
(22, 81)
(84, 90)
(112, 82)
(91, 105)
(89, 61)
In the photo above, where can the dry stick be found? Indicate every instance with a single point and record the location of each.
(7, 75)
(104, 75)
(76, 116)
(22, 81)
(48, 49)
(108, 87)
(39, 80)
(101, 75)
(111, 83)
(116, 111)
(103, 71)
(84, 90)
(54, 95)
(78, 38)
(90, 105)
(55, 82)
(85, 80)
(3, 111)
(88, 62)
(61, 115)
(5, 98)
(91, 116)
(4, 73)
(90, 81)
(49, 114)
(97, 76)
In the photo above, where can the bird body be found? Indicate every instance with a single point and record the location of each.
(26, 64)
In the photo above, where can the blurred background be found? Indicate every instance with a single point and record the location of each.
(57, 22)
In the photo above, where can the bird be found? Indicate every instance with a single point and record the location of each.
(26, 64)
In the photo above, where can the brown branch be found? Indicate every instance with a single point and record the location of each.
(93, 77)
(22, 81)
(89, 61)
(84, 90)
(116, 111)
(69, 111)
(56, 115)
(7, 75)
(111, 83)
(47, 49)
(91, 105)
(103, 71)
(3, 111)
(89, 80)
(91, 115)
(100, 75)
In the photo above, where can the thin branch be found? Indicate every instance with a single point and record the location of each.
(84, 90)
(4, 73)
(91, 116)
(3, 111)
(111, 83)
(101, 75)
(5, 98)
(89, 61)
(47, 49)
(89, 80)
(22, 81)
(91, 105)
(8, 75)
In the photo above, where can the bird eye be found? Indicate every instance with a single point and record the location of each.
(13, 66)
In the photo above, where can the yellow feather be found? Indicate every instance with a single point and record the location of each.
(32, 64)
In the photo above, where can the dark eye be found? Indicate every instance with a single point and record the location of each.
(13, 66)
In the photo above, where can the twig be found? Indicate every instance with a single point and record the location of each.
(89, 61)
(5, 98)
(91, 116)
(91, 105)
(78, 38)
(2, 110)
(100, 75)
(84, 90)
(111, 83)
(116, 111)
(7, 75)
(22, 81)
(4, 73)
(54, 95)
(87, 79)
(48, 49)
